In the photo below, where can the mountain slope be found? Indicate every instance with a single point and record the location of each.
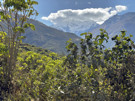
(116, 24)
(49, 38)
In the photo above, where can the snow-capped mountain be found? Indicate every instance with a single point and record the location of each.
(113, 26)
(76, 28)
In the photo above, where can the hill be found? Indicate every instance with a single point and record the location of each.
(49, 38)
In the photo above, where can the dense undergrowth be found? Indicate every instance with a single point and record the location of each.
(92, 74)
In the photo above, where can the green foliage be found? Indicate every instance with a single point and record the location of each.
(106, 74)
(89, 72)
(27, 25)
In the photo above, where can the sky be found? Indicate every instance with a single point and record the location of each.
(66, 12)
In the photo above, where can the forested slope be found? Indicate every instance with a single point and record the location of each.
(48, 38)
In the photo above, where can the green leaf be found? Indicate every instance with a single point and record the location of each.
(32, 27)
(83, 34)
(131, 35)
(26, 25)
(101, 41)
(34, 3)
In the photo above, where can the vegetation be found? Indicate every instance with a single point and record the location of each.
(89, 72)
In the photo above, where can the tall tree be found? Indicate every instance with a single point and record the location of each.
(14, 15)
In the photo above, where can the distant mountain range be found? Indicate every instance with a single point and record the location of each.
(55, 40)
(113, 26)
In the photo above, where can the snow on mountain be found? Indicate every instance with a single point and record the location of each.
(76, 28)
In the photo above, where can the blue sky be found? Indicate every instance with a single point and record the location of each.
(47, 7)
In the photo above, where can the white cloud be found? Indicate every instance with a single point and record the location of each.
(120, 8)
(87, 17)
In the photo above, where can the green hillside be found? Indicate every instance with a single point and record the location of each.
(49, 38)
(27, 47)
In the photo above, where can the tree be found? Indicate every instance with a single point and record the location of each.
(14, 16)
(107, 74)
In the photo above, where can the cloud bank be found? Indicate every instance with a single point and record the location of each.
(88, 16)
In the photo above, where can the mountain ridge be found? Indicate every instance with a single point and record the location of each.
(116, 24)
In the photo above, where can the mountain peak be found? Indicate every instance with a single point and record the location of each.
(77, 28)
